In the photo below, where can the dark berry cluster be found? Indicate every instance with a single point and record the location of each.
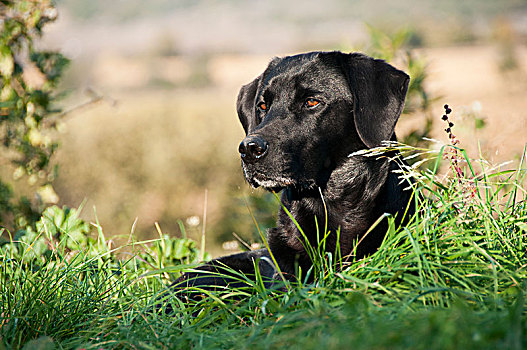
(448, 130)
(453, 153)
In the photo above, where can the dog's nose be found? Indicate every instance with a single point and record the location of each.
(253, 148)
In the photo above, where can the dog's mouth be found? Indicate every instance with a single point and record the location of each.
(275, 184)
(271, 182)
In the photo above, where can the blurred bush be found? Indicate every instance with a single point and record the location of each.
(505, 37)
(28, 78)
(396, 48)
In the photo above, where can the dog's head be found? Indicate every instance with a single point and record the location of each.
(305, 114)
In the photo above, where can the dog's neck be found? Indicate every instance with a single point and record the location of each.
(351, 200)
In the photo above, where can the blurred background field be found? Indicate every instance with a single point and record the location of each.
(166, 75)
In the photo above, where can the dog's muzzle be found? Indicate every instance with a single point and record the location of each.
(253, 148)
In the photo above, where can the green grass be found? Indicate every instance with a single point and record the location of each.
(454, 278)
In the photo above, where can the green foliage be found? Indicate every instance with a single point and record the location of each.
(28, 80)
(454, 278)
(59, 281)
(58, 230)
(61, 234)
(64, 226)
(167, 252)
(396, 48)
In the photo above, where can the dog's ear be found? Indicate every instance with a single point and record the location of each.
(379, 91)
(245, 104)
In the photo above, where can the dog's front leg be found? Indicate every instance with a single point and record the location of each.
(224, 271)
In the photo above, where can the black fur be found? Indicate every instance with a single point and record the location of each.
(305, 152)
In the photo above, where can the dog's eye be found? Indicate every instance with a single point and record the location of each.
(312, 103)
(262, 106)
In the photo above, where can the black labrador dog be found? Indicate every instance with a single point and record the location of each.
(303, 118)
